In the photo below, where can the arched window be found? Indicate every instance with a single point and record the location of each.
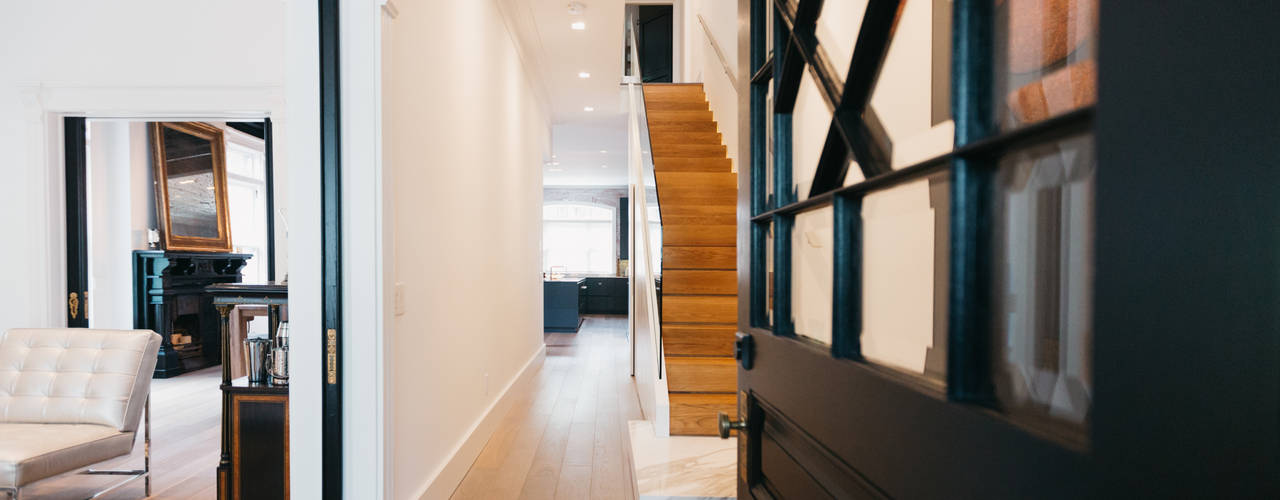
(578, 239)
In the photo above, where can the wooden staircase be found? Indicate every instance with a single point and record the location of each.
(698, 196)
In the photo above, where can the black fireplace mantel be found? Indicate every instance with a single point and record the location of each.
(169, 297)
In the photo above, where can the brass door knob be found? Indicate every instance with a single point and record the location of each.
(727, 425)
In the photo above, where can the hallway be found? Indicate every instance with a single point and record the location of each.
(566, 438)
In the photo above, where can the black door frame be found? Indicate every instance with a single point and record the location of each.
(75, 161)
(331, 251)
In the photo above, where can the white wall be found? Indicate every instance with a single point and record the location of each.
(110, 59)
(700, 63)
(464, 136)
(121, 209)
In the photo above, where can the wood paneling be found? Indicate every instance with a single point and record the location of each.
(699, 282)
(720, 309)
(701, 374)
(674, 257)
(696, 414)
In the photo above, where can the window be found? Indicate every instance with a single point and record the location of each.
(578, 239)
(247, 198)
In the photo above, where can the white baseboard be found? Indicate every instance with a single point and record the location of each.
(445, 480)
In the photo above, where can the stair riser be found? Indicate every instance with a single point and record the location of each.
(692, 165)
(688, 309)
(699, 258)
(698, 340)
(685, 138)
(699, 235)
(698, 414)
(695, 374)
(695, 282)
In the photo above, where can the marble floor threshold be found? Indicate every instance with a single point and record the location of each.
(682, 467)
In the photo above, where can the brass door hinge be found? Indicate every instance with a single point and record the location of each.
(331, 355)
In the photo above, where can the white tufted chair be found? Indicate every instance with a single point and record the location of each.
(70, 398)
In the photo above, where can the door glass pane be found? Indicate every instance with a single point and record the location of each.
(837, 30)
(809, 124)
(812, 269)
(1044, 60)
(1043, 301)
(905, 238)
(771, 142)
(911, 102)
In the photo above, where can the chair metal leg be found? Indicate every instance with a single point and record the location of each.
(11, 493)
(144, 473)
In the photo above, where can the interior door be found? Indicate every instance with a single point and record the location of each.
(77, 221)
(996, 314)
(655, 39)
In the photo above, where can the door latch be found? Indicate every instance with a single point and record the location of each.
(744, 350)
(331, 356)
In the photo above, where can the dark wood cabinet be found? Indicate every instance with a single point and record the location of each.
(169, 298)
(259, 423)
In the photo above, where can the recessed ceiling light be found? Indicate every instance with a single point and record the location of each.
(604, 166)
(588, 108)
(584, 74)
(555, 163)
(602, 151)
(555, 170)
(578, 25)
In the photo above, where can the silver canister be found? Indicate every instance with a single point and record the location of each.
(256, 357)
(279, 368)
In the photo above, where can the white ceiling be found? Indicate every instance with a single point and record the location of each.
(560, 53)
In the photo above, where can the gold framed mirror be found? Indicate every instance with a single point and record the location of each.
(191, 186)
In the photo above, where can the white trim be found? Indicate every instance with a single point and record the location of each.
(445, 480)
(364, 306)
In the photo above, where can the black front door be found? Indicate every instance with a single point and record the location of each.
(1074, 294)
(76, 163)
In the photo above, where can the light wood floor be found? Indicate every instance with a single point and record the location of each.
(184, 446)
(566, 437)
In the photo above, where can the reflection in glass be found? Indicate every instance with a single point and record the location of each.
(1044, 280)
(812, 269)
(912, 98)
(193, 202)
(768, 259)
(1044, 60)
(809, 125)
(905, 238)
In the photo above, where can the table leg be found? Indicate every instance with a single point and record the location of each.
(224, 463)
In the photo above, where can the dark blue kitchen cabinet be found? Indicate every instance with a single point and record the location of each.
(562, 305)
